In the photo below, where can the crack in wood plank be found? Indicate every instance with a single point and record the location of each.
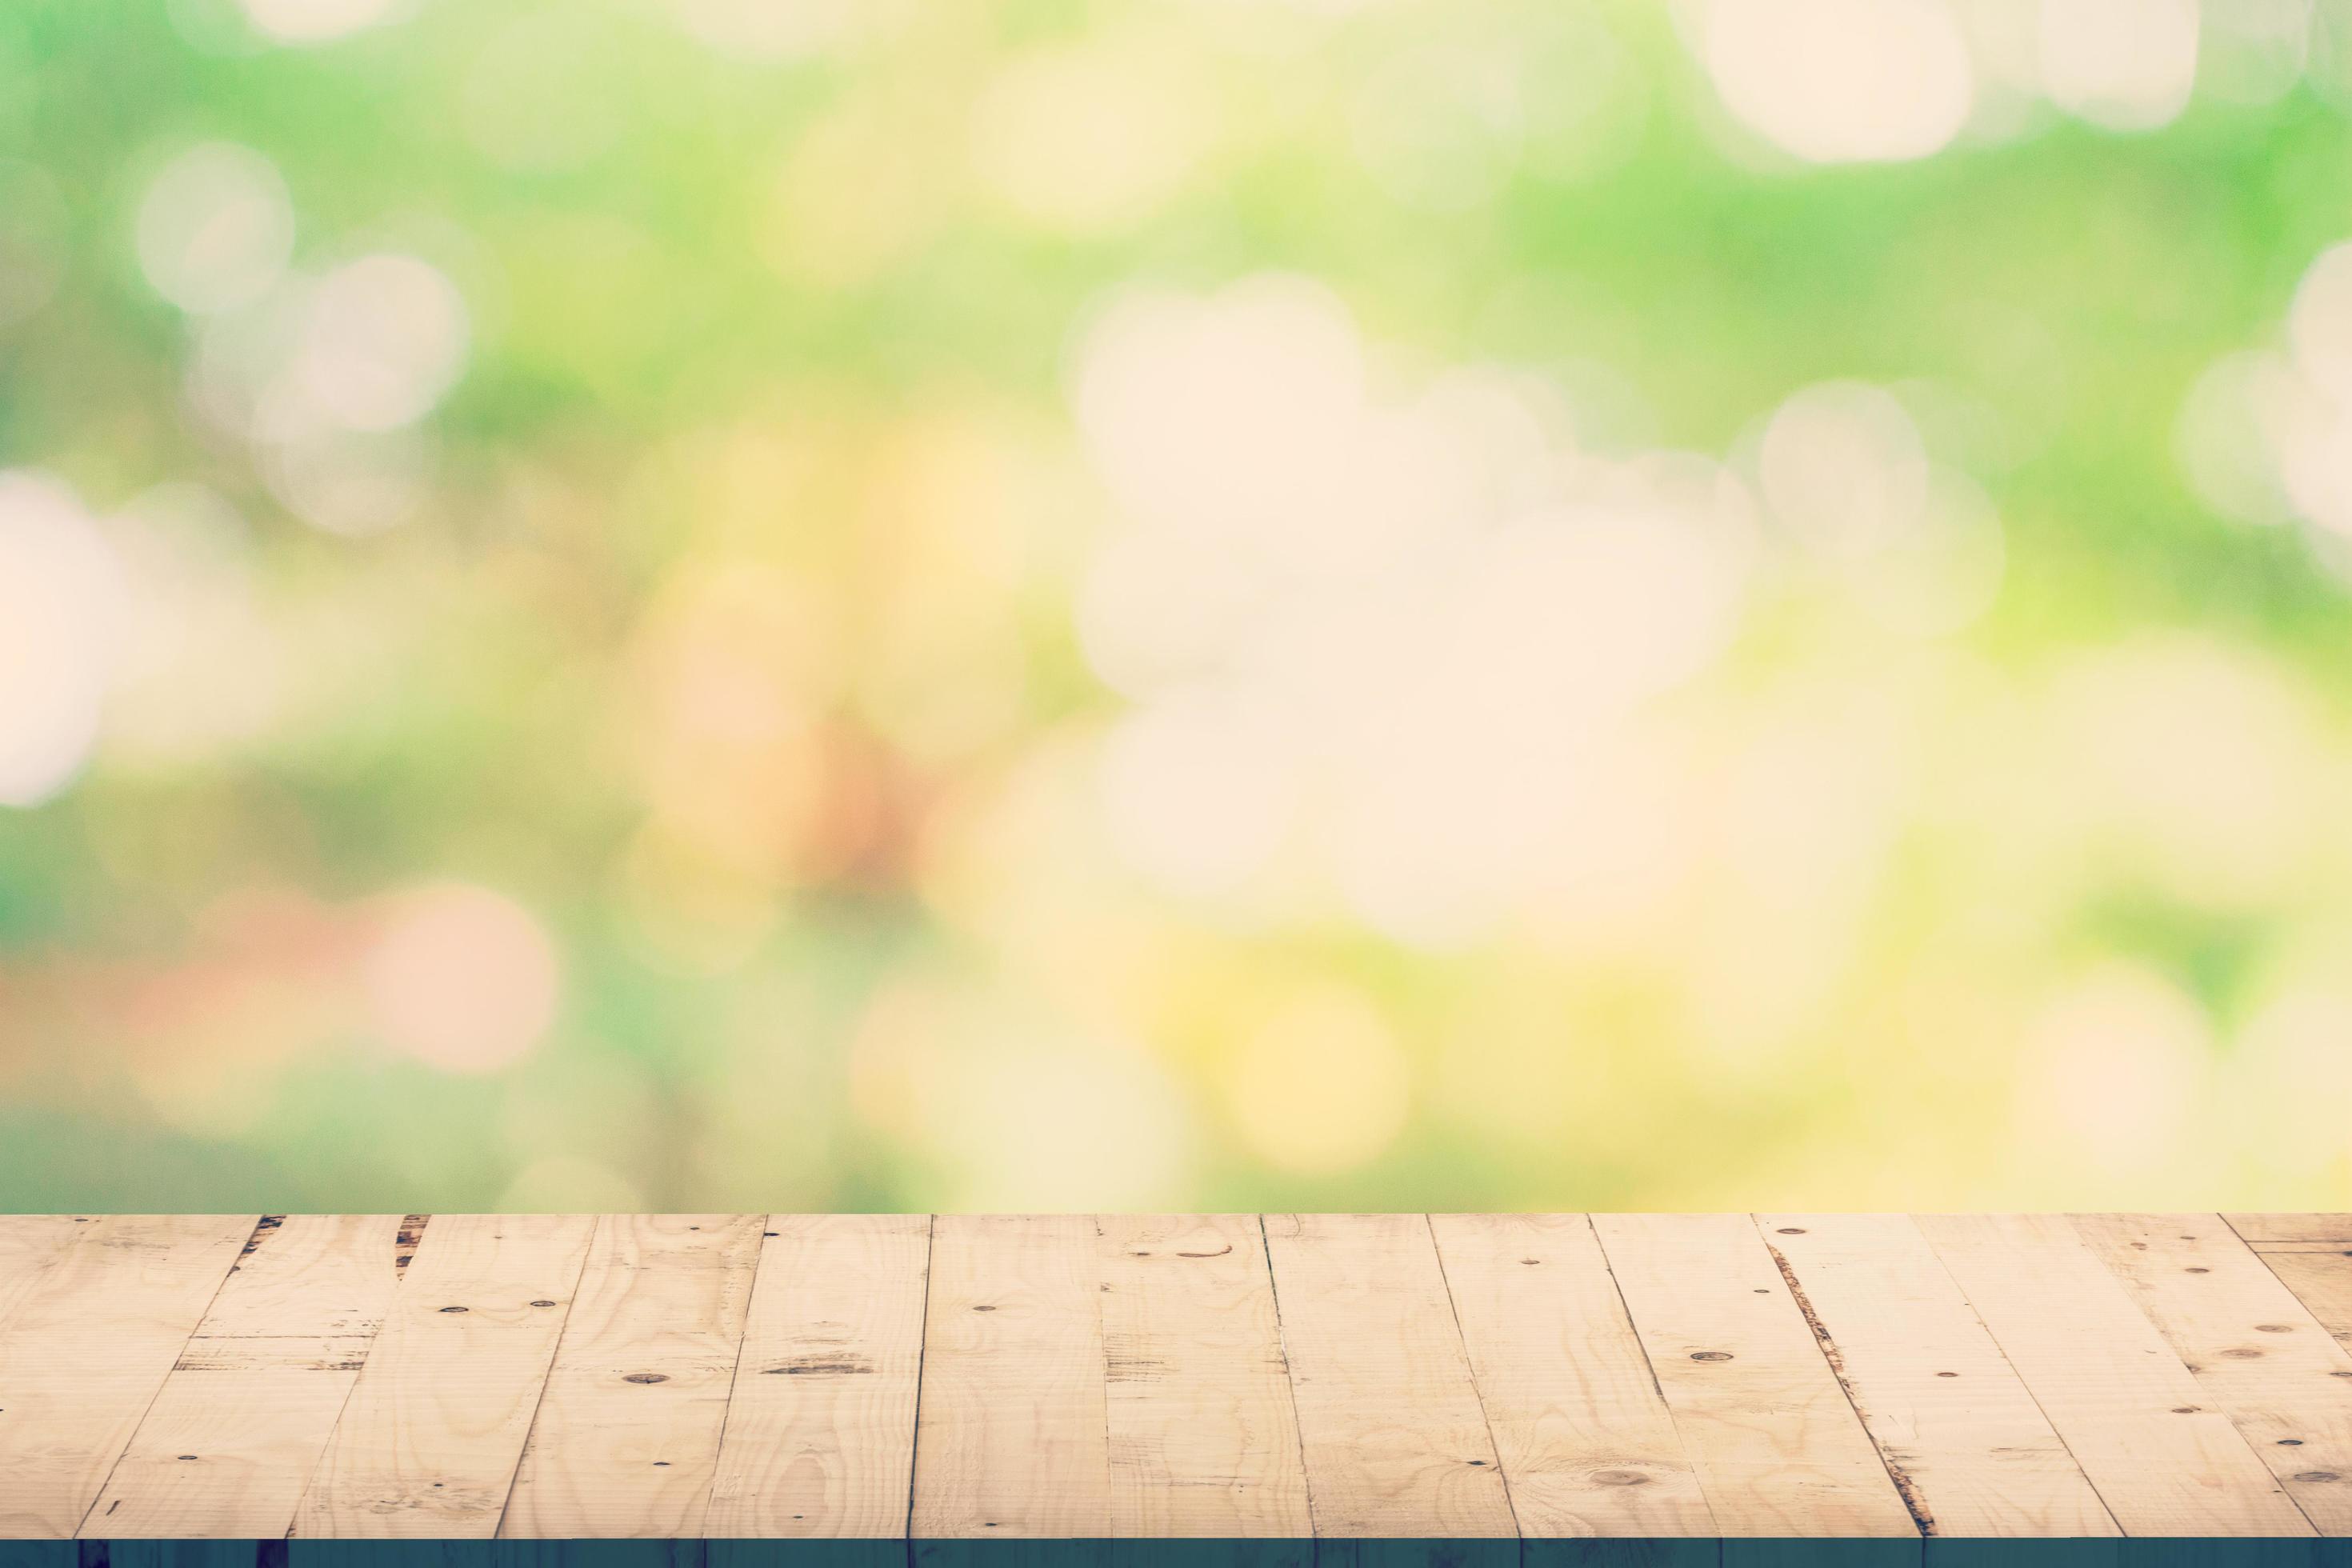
(1904, 1486)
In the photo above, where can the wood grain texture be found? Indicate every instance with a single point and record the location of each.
(820, 1438)
(1587, 1445)
(1389, 1419)
(2290, 1229)
(1951, 1418)
(1204, 1433)
(1779, 1450)
(85, 1348)
(626, 1440)
(29, 1243)
(2164, 1460)
(1012, 1437)
(1191, 1390)
(238, 1426)
(427, 1446)
(2322, 1281)
(2255, 1348)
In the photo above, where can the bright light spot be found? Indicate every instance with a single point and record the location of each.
(61, 616)
(1842, 469)
(2255, 51)
(1197, 796)
(2124, 65)
(2314, 440)
(329, 379)
(351, 482)
(564, 1184)
(215, 228)
(200, 667)
(2116, 1066)
(1591, 610)
(2227, 435)
(1086, 141)
(1321, 1085)
(2264, 435)
(2310, 421)
(1622, 845)
(1372, 632)
(1268, 377)
(318, 21)
(385, 337)
(460, 977)
(1837, 82)
(2319, 323)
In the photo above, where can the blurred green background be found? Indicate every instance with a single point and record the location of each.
(1130, 603)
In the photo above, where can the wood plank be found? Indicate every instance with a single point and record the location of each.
(29, 1243)
(1954, 1425)
(2293, 1230)
(1587, 1445)
(427, 1446)
(626, 1440)
(85, 1349)
(2322, 1281)
(1012, 1436)
(820, 1438)
(234, 1434)
(1396, 1444)
(2257, 1352)
(1204, 1436)
(2165, 1461)
(1778, 1451)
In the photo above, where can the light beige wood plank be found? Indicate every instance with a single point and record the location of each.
(1203, 1437)
(1955, 1426)
(2164, 1460)
(1587, 1444)
(2255, 1348)
(428, 1445)
(1395, 1441)
(1012, 1439)
(29, 1244)
(85, 1349)
(2322, 1281)
(820, 1437)
(626, 1439)
(2290, 1229)
(1778, 1449)
(231, 1438)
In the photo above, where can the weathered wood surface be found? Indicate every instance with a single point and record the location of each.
(1611, 1388)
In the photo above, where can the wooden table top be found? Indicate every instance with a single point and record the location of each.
(1290, 1377)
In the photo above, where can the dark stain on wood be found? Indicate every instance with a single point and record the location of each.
(403, 1242)
(820, 1366)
